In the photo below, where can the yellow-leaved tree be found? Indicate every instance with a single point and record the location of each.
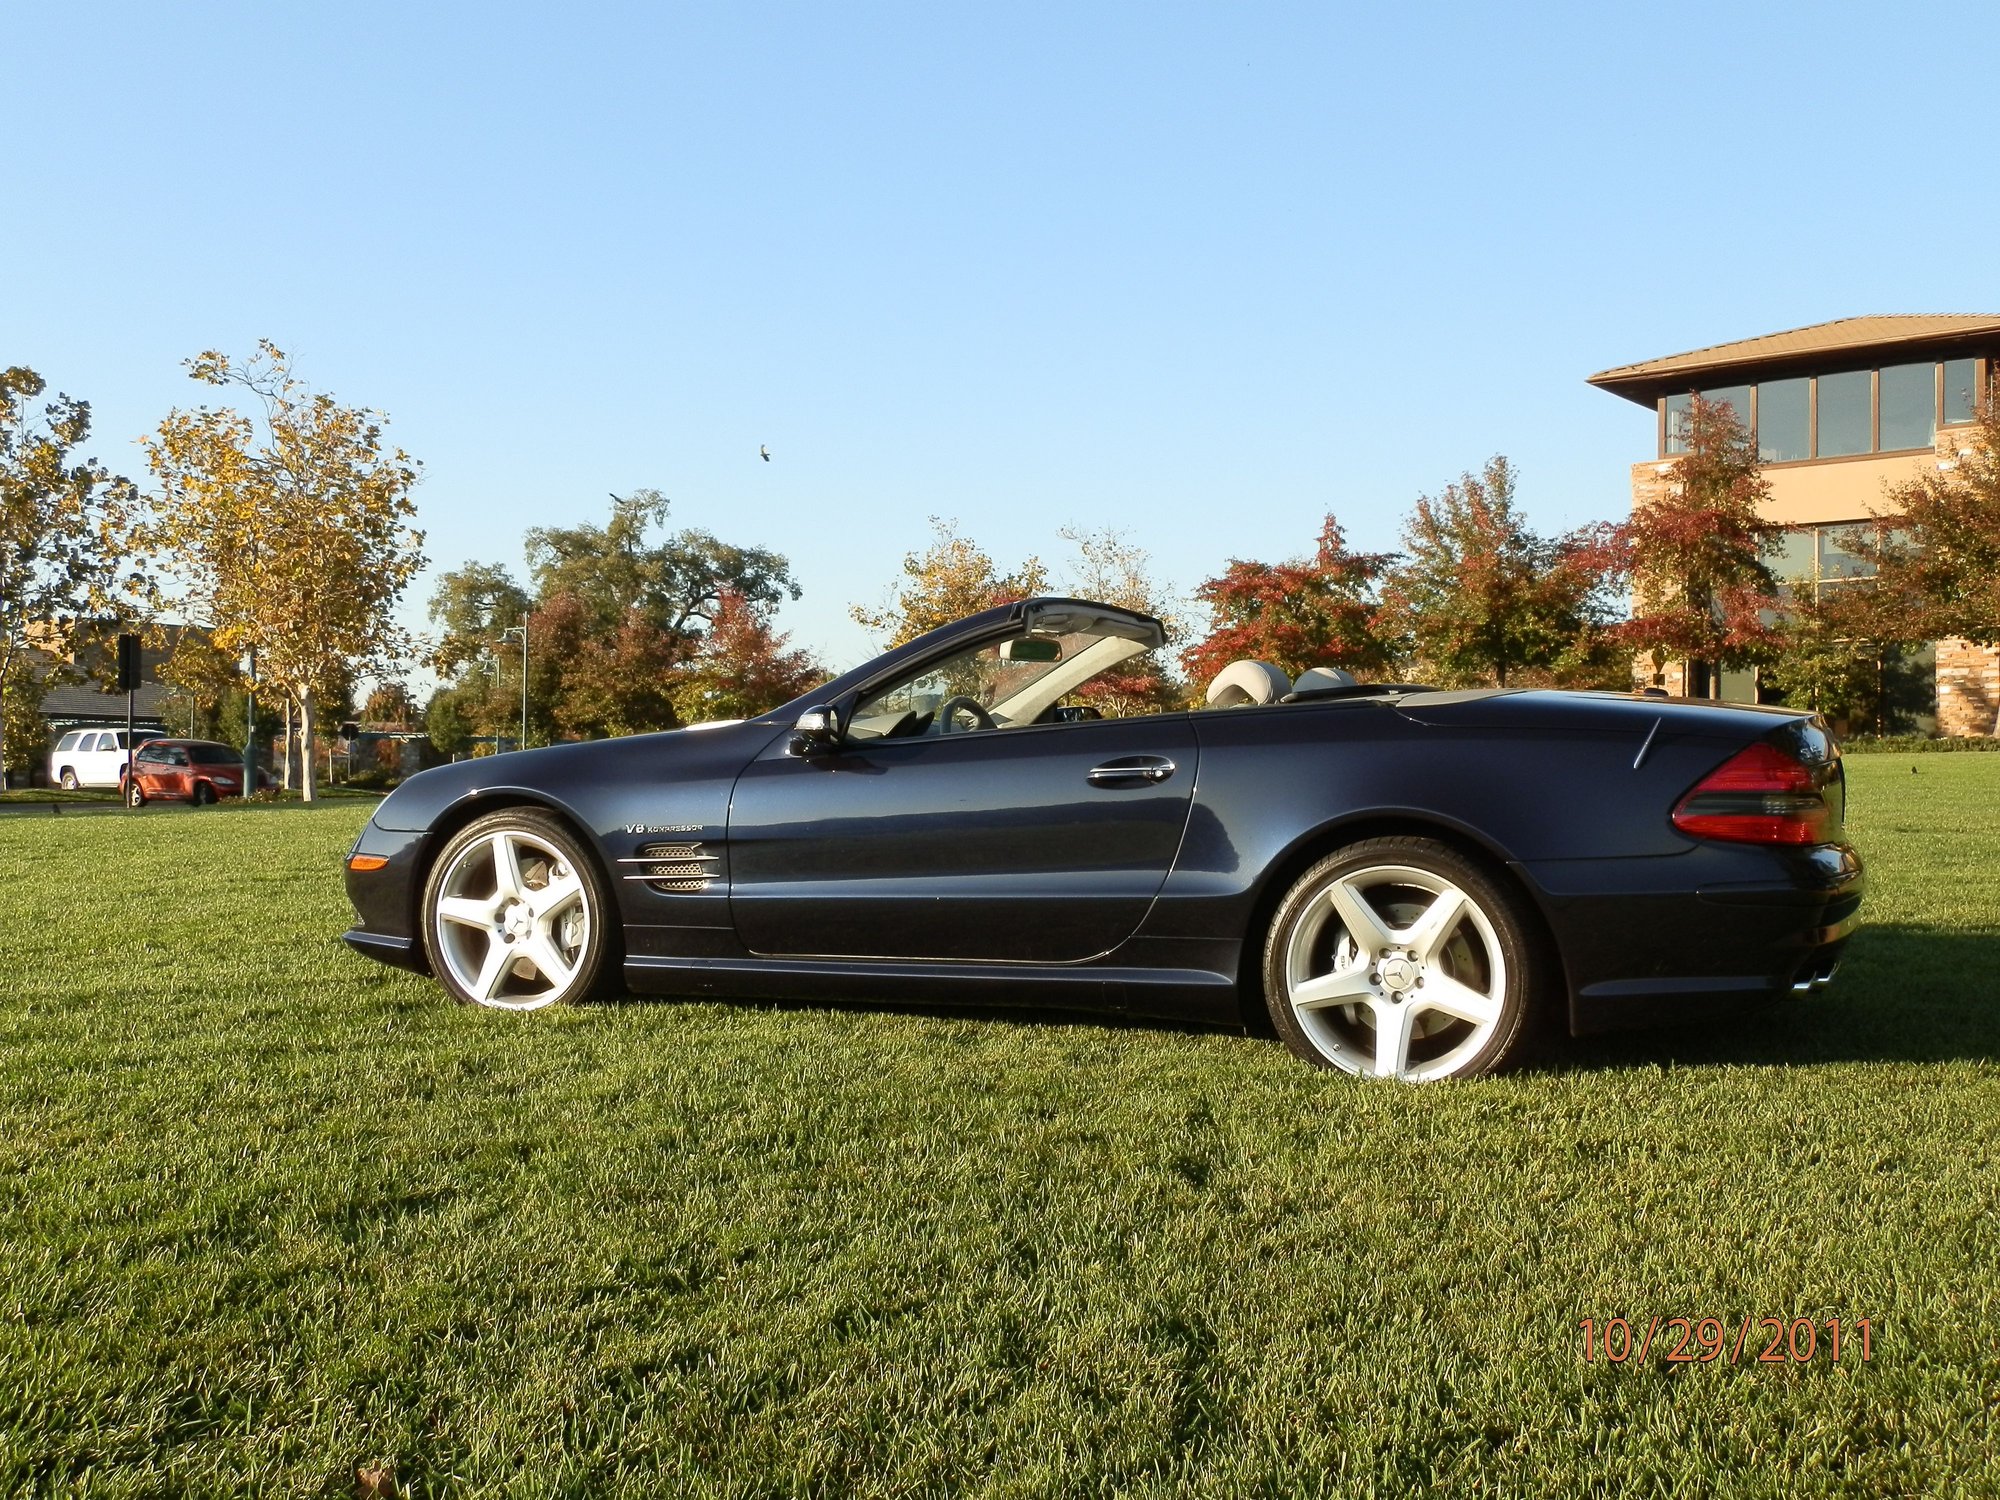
(952, 578)
(287, 528)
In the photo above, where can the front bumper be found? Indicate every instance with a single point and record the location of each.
(385, 898)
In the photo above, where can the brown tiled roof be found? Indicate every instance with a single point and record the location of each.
(1643, 381)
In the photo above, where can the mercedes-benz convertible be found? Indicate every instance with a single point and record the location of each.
(1405, 880)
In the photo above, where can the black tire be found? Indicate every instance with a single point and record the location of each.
(458, 952)
(204, 794)
(68, 779)
(1482, 967)
(135, 795)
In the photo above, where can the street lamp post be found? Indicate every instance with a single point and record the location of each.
(522, 631)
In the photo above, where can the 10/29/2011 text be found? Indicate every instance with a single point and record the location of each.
(1752, 1340)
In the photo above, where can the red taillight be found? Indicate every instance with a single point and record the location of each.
(1758, 796)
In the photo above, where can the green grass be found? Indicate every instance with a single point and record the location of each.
(48, 794)
(271, 1213)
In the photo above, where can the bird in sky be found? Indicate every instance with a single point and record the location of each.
(764, 452)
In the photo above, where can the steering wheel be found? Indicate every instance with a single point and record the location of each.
(951, 706)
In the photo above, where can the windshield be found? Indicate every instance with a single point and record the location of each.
(1079, 674)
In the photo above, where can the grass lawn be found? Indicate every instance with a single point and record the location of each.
(272, 1215)
(47, 795)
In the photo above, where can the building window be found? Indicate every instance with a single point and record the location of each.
(1846, 415)
(1676, 425)
(1909, 406)
(1784, 420)
(1844, 553)
(1842, 414)
(1794, 559)
(1961, 379)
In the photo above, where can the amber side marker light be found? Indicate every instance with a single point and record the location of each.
(1758, 796)
(365, 862)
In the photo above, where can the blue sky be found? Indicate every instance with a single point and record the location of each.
(1201, 273)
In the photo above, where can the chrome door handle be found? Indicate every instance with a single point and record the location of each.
(1132, 770)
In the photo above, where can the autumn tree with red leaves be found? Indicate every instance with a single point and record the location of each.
(1481, 597)
(743, 667)
(1939, 552)
(1317, 611)
(1695, 548)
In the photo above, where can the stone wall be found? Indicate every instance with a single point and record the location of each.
(1968, 688)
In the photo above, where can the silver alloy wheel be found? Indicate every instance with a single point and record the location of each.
(512, 921)
(69, 781)
(1394, 971)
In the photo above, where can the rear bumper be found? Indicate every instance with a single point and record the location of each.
(1715, 931)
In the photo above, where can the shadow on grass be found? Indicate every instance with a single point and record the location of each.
(1903, 994)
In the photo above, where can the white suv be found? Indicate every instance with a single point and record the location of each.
(91, 757)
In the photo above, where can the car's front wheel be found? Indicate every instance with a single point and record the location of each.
(516, 915)
(135, 795)
(204, 794)
(1400, 958)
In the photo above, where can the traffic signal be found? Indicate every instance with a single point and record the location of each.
(128, 663)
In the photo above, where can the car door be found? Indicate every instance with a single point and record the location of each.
(163, 773)
(98, 761)
(1042, 844)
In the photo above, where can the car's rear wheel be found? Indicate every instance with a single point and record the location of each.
(69, 781)
(135, 795)
(516, 915)
(1400, 958)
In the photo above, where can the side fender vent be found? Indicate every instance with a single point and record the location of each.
(672, 869)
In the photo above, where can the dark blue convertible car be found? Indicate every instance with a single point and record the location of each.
(1405, 879)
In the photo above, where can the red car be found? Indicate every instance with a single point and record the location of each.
(197, 771)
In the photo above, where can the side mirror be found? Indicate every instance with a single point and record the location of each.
(816, 732)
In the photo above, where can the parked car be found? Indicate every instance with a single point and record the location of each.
(1402, 878)
(92, 757)
(197, 771)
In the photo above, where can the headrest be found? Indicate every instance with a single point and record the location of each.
(1318, 679)
(1245, 682)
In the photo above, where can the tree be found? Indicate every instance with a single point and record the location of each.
(1311, 612)
(675, 584)
(389, 702)
(743, 668)
(288, 529)
(1110, 569)
(1695, 549)
(473, 606)
(1828, 659)
(1939, 569)
(952, 578)
(445, 723)
(64, 535)
(597, 684)
(206, 681)
(1480, 596)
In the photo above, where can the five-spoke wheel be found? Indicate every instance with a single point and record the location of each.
(515, 913)
(1398, 958)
